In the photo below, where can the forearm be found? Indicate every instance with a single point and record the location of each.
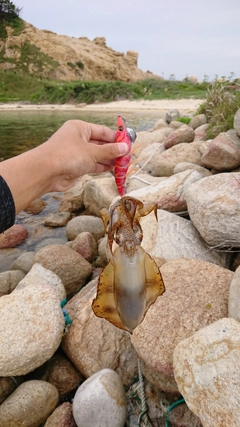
(28, 176)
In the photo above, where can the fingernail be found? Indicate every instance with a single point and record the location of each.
(123, 148)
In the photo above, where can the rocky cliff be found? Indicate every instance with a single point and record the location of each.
(67, 58)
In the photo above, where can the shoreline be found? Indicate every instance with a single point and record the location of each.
(188, 106)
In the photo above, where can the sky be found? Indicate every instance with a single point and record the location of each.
(173, 38)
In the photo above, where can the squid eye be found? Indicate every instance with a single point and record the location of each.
(120, 128)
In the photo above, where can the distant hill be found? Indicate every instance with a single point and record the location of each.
(60, 57)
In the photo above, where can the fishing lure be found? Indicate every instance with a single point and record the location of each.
(131, 281)
(127, 135)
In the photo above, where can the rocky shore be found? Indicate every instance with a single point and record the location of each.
(63, 366)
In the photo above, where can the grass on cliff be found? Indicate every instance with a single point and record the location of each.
(19, 85)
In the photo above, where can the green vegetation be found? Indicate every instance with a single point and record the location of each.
(222, 102)
(36, 88)
(183, 119)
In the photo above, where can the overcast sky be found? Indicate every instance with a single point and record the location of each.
(185, 37)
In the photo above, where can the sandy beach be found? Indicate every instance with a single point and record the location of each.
(185, 106)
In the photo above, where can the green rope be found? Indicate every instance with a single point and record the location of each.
(171, 407)
(67, 319)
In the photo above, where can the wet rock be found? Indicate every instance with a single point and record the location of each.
(29, 405)
(85, 244)
(9, 281)
(197, 293)
(86, 341)
(100, 401)
(13, 237)
(205, 368)
(38, 275)
(70, 266)
(57, 219)
(82, 223)
(31, 329)
(36, 207)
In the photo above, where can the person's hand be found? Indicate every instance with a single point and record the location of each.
(78, 148)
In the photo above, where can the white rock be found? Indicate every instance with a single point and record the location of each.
(39, 275)
(206, 368)
(100, 401)
(234, 296)
(31, 329)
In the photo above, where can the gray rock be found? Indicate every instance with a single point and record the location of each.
(172, 115)
(100, 401)
(82, 223)
(29, 405)
(9, 281)
(59, 219)
(31, 329)
(24, 262)
(197, 121)
(206, 368)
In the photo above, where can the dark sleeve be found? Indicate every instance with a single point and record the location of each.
(7, 206)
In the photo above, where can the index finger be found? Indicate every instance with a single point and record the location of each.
(102, 133)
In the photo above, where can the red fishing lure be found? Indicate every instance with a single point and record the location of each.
(127, 135)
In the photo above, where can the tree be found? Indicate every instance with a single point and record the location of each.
(8, 11)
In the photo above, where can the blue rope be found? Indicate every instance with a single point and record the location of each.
(67, 319)
(171, 407)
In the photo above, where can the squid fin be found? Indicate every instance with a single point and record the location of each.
(104, 303)
(154, 281)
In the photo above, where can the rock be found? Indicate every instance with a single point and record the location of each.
(102, 260)
(7, 386)
(146, 158)
(31, 329)
(29, 405)
(234, 296)
(24, 262)
(70, 266)
(196, 295)
(200, 133)
(213, 204)
(183, 166)
(166, 161)
(50, 241)
(140, 180)
(100, 401)
(13, 237)
(57, 219)
(61, 373)
(98, 194)
(183, 134)
(181, 416)
(9, 281)
(175, 124)
(198, 120)
(159, 124)
(92, 343)
(72, 200)
(205, 368)
(191, 79)
(82, 223)
(172, 115)
(223, 152)
(36, 207)
(173, 237)
(236, 123)
(38, 275)
(170, 193)
(146, 138)
(85, 245)
(62, 416)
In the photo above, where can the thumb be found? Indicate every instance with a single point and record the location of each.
(113, 150)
